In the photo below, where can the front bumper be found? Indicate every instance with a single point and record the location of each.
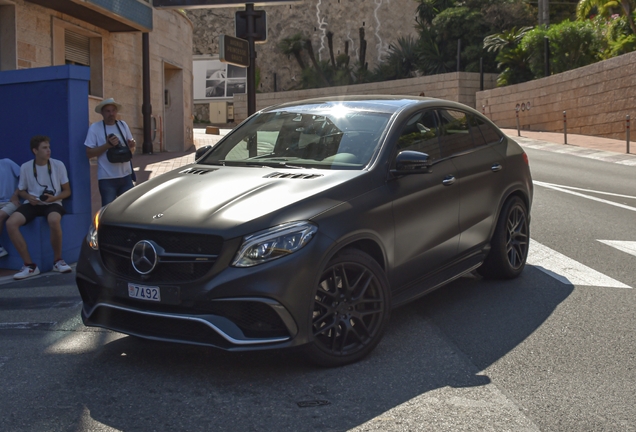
(262, 307)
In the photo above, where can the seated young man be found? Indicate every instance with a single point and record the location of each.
(9, 174)
(43, 185)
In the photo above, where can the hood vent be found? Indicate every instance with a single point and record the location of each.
(293, 176)
(196, 171)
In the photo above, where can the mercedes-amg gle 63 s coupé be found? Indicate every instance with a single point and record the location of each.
(307, 224)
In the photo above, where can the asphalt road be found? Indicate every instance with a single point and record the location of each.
(553, 350)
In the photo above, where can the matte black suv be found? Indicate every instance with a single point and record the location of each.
(307, 224)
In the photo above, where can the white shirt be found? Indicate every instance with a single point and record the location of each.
(96, 137)
(52, 182)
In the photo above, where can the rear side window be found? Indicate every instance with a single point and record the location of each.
(483, 132)
(455, 136)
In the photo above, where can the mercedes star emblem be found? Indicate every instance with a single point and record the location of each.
(144, 257)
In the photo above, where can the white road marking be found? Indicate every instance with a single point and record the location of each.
(566, 270)
(624, 246)
(565, 189)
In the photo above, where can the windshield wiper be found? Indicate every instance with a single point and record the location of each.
(241, 163)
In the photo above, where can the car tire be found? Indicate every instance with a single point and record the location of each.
(509, 244)
(350, 310)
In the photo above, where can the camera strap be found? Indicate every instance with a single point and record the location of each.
(35, 174)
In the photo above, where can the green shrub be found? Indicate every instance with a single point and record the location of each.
(572, 44)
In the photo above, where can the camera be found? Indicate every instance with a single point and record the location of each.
(46, 192)
(109, 137)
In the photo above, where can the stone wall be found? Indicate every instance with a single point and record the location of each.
(456, 86)
(384, 21)
(596, 99)
(170, 47)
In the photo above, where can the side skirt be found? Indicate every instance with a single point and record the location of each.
(438, 279)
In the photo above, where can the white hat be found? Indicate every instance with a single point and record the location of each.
(109, 101)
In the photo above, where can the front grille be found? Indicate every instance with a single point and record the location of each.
(255, 319)
(199, 250)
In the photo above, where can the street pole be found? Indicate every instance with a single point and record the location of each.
(481, 74)
(251, 69)
(627, 131)
(565, 128)
(544, 12)
(546, 56)
(146, 107)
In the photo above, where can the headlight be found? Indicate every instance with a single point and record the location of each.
(274, 243)
(91, 238)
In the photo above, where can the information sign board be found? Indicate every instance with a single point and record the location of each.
(234, 51)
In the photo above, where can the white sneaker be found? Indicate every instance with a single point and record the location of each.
(26, 272)
(62, 267)
(3, 252)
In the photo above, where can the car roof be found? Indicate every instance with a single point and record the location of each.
(387, 104)
(375, 103)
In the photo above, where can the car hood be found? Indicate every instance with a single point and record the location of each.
(216, 199)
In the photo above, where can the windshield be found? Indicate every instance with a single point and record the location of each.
(332, 137)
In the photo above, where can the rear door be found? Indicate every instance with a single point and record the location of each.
(480, 168)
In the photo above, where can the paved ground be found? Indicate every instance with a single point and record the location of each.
(151, 165)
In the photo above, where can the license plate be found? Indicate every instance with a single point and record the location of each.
(142, 292)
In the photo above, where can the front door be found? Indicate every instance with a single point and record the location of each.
(425, 205)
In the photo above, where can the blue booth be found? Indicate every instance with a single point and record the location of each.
(50, 101)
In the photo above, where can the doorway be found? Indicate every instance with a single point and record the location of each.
(173, 109)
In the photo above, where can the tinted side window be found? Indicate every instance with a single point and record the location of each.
(488, 133)
(421, 134)
(455, 134)
(475, 124)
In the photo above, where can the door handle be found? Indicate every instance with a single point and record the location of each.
(496, 167)
(449, 180)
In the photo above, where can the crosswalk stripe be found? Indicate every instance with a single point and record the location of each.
(566, 270)
(561, 188)
(624, 246)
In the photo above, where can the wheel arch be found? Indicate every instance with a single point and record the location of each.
(368, 246)
(367, 242)
(507, 196)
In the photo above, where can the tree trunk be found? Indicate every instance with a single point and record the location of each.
(330, 45)
(299, 59)
(310, 51)
(363, 49)
(628, 14)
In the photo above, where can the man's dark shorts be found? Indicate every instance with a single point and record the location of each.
(30, 212)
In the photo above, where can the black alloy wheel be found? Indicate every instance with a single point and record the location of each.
(351, 307)
(509, 245)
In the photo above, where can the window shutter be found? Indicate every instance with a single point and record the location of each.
(77, 48)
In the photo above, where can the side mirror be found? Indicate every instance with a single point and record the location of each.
(412, 162)
(201, 151)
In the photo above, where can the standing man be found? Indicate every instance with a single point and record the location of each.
(114, 178)
(43, 185)
(9, 174)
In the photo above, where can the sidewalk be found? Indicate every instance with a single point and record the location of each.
(147, 166)
(586, 141)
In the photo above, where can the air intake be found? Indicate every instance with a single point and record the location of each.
(196, 171)
(293, 176)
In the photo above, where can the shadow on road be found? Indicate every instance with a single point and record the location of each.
(441, 341)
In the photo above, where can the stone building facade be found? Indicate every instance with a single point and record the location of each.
(40, 33)
(384, 21)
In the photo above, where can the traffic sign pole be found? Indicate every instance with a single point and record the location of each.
(251, 69)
